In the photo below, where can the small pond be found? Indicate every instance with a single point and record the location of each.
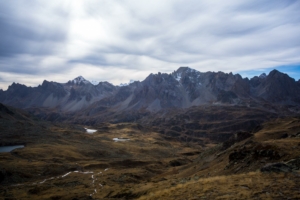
(91, 131)
(120, 139)
(10, 148)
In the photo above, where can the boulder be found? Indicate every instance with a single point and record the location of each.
(276, 167)
(294, 163)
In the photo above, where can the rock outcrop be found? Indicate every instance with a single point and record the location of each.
(276, 167)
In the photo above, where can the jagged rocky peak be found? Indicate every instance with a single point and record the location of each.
(105, 83)
(185, 71)
(277, 74)
(55, 88)
(17, 87)
(263, 75)
(106, 86)
(46, 83)
(79, 81)
(159, 78)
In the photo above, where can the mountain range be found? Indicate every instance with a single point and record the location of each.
(183, 88)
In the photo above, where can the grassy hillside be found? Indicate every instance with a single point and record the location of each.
(62, 161)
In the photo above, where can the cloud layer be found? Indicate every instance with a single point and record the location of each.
(121, 40)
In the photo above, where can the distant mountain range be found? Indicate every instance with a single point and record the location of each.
(183, 88)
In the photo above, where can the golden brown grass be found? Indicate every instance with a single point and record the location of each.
(131, 164)
(276, 129)
(141, 166)
(253, 185)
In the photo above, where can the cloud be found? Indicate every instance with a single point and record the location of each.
(123, 40)
(26, 28)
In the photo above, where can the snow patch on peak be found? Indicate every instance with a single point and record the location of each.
(79, 80)
(191, 70)
(125, 84)
(94, 82)
(178, 76)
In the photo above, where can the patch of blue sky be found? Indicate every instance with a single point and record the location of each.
(292, 70)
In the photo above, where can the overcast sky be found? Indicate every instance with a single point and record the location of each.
(119, 40)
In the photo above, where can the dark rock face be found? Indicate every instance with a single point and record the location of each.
(17, 95)
(177, 162)
(55, 88)
(236, 138)
(254, 155)
(158, 87)
(276, 167)
(276, 88)
(255, 152)
(5, 110)
(226, 96)
(238, 155)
